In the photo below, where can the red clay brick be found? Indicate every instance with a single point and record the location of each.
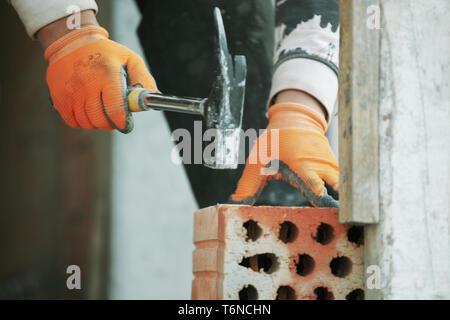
(222, 247)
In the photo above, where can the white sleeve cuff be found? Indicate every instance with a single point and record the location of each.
(307, 75)
(36, 14)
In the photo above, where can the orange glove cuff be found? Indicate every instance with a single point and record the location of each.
(296, 116)
(74, 40)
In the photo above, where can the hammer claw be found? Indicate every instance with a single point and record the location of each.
(223, 108)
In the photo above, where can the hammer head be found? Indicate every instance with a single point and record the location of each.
(224, 107)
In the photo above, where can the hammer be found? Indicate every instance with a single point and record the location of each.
(223, 108)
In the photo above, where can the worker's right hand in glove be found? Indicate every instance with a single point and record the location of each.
(88, 75)
(304, 157)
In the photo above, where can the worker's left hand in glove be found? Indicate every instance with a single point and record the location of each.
(88, 75)
(298, 151)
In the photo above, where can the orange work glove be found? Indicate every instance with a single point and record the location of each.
(305, 159)
(88, 75)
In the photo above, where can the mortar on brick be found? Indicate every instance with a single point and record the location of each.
(238, 248)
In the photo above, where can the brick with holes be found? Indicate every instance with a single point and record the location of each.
(246, 252)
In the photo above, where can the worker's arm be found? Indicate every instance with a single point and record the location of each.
(301, 102)
(88, 74)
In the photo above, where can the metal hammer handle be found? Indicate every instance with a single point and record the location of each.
(140, 99)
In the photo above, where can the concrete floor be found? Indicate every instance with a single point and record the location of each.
(152, 205)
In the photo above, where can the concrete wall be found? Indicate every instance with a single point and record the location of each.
(411, 243)
(152, 205)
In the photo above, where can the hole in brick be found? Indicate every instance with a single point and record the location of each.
(341, 267)
(288, 232)
(322, 293)
(249, 292)
(305, 264)
(253, 230)
(268, 262)
(357, 294)
(355, 234)
(286, 293)
(324, 234)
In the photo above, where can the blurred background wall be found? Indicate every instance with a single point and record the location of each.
(55, 181)
(113, 204)
(152, 205)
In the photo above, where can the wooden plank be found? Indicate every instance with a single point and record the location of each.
(358, 113)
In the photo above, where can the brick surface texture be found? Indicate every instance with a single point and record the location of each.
(245, 252)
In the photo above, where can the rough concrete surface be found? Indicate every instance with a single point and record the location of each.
(411, 244)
